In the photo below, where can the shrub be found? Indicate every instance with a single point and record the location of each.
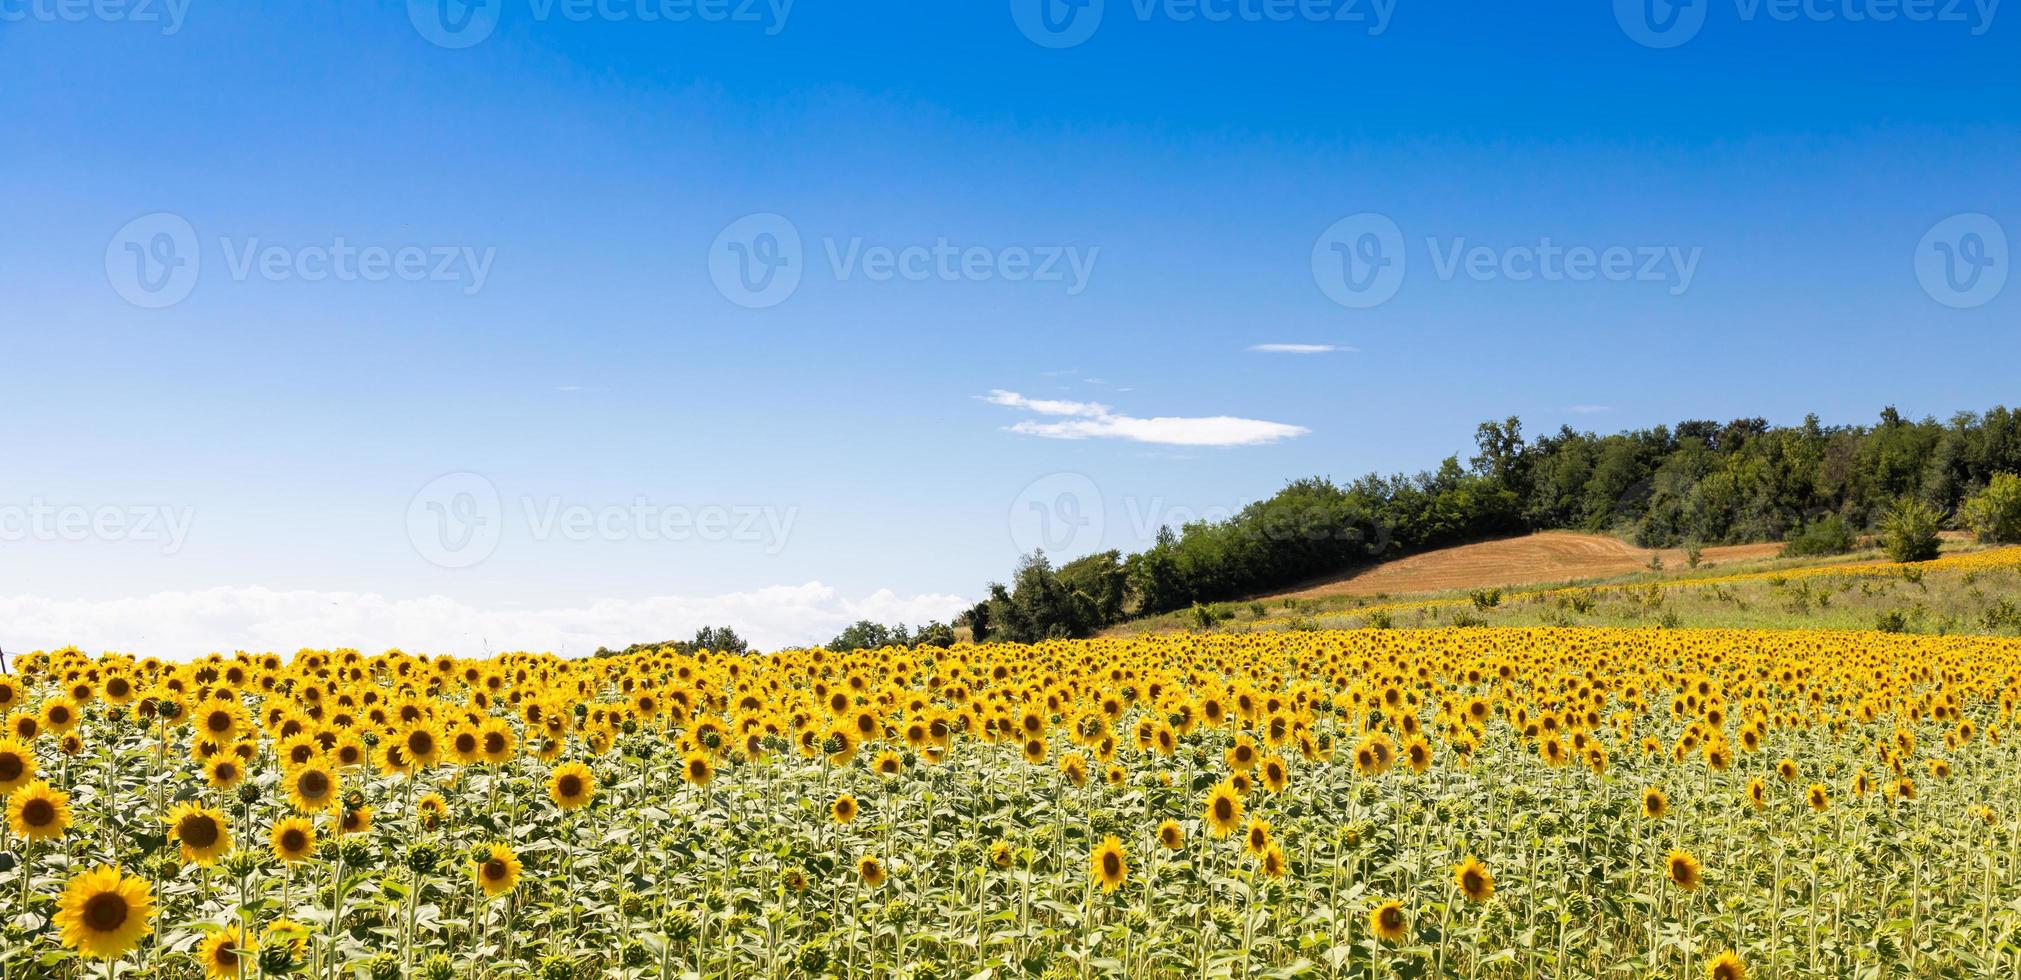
(1892, 621)
(1909, 530)
(1994, 513)
(1828, 535)
(1486, 598)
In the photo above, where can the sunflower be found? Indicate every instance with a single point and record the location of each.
(433, 810)
(1473, 879)
(1075, 768)
(695, 770)
(423, 744)
(496, 741)
(224, 771)
(312, 788)
(1388, 921)
(289, 935)
(1000, 854)
(870, 870)
(1726, 966)
(1171, 835)
(1818, 797)
(1224, 809)
(103, 913)
(293, 839)
(1275, 774)
(1273, 864)
(497, 871)
(888, 762)
(1257, 839)
(1654, 803)
(203, 833)
(17, 765)
(224, 953)
(59, 715)
(844, 808)
(571, 785)
(38, 812)
(356, 820)
(1757, 793)
(1683, 869)
(1107, 864)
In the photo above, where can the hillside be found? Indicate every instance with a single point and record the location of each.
(1547, 556)
(1556, 579)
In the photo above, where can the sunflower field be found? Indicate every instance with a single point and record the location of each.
(1520, 803)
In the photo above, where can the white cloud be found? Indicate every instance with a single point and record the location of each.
(1092, 420)
(1300, 348)
(182, 625)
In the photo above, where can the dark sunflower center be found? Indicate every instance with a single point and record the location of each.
(420, 743)
(197, 831)
(313, 785)
(1112, 865)
(293, 840)
(494, 743)
(11, 767)
(494, 870)
(466, 743)
(105, 912)
(38, 813)
(571, 786)
(1392, 918)
(1223, 809)
(218, 721)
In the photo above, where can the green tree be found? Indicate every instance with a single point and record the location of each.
(1994, 513)
(1909, 530)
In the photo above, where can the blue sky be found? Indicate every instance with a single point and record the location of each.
(872, 444)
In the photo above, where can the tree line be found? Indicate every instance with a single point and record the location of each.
(1699, 482)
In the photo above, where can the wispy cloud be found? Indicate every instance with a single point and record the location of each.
(1093, 420)
(1300, 349)
(189, 624)
(1588, 409)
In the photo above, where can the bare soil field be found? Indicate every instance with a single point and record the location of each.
(1547, 556)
